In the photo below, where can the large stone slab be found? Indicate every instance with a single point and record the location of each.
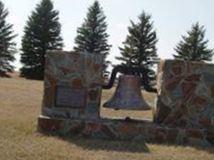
(72, 86)
(185, 94)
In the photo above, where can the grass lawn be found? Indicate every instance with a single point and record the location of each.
(20, 104)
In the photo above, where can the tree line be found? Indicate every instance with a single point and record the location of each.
(42, 32)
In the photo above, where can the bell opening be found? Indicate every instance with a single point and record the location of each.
(127, 114)
(127, 95)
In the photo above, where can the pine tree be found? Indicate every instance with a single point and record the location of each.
(7, 46)
(42, 33)
(92, 36)
(140, 48)
(193, 47)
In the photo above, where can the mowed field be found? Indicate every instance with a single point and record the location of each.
(20, 104)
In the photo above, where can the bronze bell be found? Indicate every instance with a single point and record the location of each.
(128, 95)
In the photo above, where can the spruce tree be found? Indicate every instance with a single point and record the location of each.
(7, 46)
(140, 48)
(92, 36)
(193, 47)
(42, 33)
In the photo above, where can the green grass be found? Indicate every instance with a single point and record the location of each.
(20, 104)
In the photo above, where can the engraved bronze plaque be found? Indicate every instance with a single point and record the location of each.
(68, 97)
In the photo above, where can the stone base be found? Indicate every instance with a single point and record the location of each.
(126, 130)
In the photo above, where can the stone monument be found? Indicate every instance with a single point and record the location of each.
(184, 113)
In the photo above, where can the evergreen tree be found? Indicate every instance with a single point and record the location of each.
(193, 47)
(139, 48)
(7, 46)
(42, 33)
(92, 36)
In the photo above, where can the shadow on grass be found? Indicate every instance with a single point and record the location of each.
(208, 149)
(205, 148)
(109, 145)
(123, 146)
(128, 146)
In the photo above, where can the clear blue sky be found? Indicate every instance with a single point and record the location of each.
(172, 18)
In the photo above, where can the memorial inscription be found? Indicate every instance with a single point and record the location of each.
(67, 97)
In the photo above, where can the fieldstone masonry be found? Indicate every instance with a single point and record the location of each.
(184, 113)
(72, 85)
(185, 94)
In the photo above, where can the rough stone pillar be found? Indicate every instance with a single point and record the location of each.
(185, 94)
(72, 85)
